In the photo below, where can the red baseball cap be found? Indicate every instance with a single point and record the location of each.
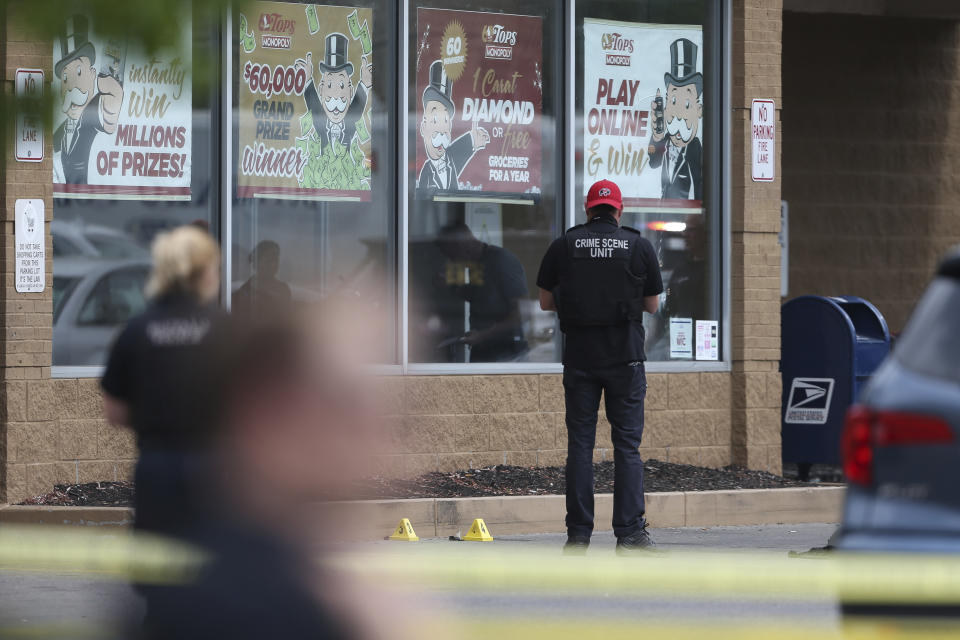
(604, 192)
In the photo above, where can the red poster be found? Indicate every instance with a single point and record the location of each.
(479, 100)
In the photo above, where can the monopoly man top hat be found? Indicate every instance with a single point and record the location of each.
(335, 56)
(683, 65)
(74, 43)
(440, 87)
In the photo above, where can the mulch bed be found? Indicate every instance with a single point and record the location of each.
(501, 480)
(90, 494)
(505, 480)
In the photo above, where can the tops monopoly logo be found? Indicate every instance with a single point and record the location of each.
(276, 24)
(498, 43)
(617, 49)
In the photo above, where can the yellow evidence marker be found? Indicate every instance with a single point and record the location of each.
(479, 532)
(404, 532)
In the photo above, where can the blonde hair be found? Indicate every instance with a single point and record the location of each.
(180, 259)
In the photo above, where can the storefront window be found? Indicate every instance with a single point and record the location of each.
(134, 145)
(484, 124)
(314, 210)
(309, 158)
(648, 91)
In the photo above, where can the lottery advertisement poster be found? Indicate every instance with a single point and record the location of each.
(121, 118)
(304, 100)
(643, 113)
(479, 101)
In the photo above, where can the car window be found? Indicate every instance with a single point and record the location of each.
(62, 288)
(114, 248)
(64, 247)
(930, 343)
(116, 297)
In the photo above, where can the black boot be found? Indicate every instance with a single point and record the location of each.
(576, 546)
(637, 541)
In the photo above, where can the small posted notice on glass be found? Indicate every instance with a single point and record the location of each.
(708, 340)
(30, 251)
(681, 338)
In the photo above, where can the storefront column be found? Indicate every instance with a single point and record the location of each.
(28, 430)
(755, 254)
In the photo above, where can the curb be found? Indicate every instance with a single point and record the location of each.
(70, 516)
(518, 515)
(510, 515)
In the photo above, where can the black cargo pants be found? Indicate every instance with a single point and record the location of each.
(625, 387)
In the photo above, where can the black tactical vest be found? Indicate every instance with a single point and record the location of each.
(597, 287)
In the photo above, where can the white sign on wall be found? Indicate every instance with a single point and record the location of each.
(30, 250)
(29, 86)
(763, 124)
(681, 337)
(708, 340)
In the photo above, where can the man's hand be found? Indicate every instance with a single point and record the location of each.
(475, 338)
(111, 98)
(657, 137)
(651, 304)
(306, 65)
(547, 303)
(116, 411)
(479, 136)
(366, 73)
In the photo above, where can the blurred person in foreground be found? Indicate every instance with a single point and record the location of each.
(155, 378)
(296, 424)
(601, 277)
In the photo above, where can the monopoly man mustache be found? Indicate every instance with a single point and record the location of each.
(73, 97)
(440, 139)
(678, 127)
(335, 104)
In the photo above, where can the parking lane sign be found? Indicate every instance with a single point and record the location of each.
(29, 132)
(763, 124)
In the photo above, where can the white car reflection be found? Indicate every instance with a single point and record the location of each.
(74, 239)
(92, 301)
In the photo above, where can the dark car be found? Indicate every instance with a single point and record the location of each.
(901, 443)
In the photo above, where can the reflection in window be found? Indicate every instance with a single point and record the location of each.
(115, 298)
(648, 90)
(323, 227)
(104, 221)
(484, 202)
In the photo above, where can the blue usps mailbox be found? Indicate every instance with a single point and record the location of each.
(829, 349)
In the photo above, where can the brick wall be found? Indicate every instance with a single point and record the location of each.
(52, 430)
(457, 422)
(755, 255)
(871, 149)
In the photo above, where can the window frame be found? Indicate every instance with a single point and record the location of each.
(570, 204)
(220, 209)
(567, 197)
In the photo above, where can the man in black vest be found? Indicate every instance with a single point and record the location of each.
(600, 278)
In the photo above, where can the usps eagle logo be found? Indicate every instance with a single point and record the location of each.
(604, 192)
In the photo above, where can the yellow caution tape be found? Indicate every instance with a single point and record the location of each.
(541, 629)
(139, 557)
(853, 578)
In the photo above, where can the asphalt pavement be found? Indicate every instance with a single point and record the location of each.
(774, 539)
(52, 599)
